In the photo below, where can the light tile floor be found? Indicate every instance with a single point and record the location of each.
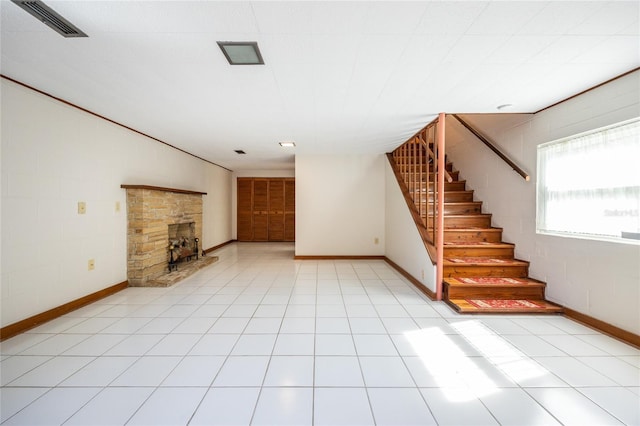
(259, 338)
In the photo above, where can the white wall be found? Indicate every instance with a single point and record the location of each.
(283, 173)
(54, 156)
(217, 206)
(340, 205)
(404, 245)
(597, 278)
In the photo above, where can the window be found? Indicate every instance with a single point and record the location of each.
(589, 184)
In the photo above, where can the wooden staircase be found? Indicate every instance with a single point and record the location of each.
(480, 272)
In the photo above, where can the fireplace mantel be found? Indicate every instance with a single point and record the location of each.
(159, 188)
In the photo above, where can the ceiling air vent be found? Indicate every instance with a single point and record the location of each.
(50, 17)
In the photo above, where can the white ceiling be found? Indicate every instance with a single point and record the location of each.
(339, 77)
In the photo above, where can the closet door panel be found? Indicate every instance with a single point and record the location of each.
(276, 210)
(266, 209)
(260, 210)
(245, 209)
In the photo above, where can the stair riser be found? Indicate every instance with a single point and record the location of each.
(453, 196)
(405, 175)
(455, 186)
(481, 221)
(451, 222)
(463, 208)
(514, 271)
(449, 197)
(493, 292)
(448, 167)
(480, 251)
(451, 186)
(454, 175)
(461, 236)
(410, 161)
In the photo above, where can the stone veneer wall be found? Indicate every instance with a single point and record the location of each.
(150, 211)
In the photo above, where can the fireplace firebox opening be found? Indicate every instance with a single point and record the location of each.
(183, 244)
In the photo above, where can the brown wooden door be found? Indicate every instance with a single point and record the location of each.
(266, 209)
(289, 210)
(245, 209)
(276, 210)
(260, 210)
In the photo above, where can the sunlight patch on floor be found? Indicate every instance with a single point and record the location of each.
(499, 352)
(454, 372)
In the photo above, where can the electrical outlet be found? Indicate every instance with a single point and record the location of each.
(117, 206)
(422, 274)
(91, 265)
(376, 240)
(82, 207)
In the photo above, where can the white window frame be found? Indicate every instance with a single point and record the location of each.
(616, 169)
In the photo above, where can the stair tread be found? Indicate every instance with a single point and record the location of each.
(455, 203)
(493, 281)
(452, 193)
(465, 215)
(485, 261)
(477, 244)
(460, 191)
(449, 183)
(452, 204)
(504, 306)
(479, 228)
(454, 215)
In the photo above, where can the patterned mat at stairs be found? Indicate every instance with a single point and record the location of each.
(504, 306)
(490, 281)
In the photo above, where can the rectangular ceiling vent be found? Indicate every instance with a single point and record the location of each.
(50, 18)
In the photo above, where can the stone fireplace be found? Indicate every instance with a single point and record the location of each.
(156, 217)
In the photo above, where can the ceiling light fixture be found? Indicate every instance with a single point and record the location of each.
(50, 18)
(241, 52)
(239, 151)
(287, 144)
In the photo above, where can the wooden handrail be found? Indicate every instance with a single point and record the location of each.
(433, 156)
(493, 148)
